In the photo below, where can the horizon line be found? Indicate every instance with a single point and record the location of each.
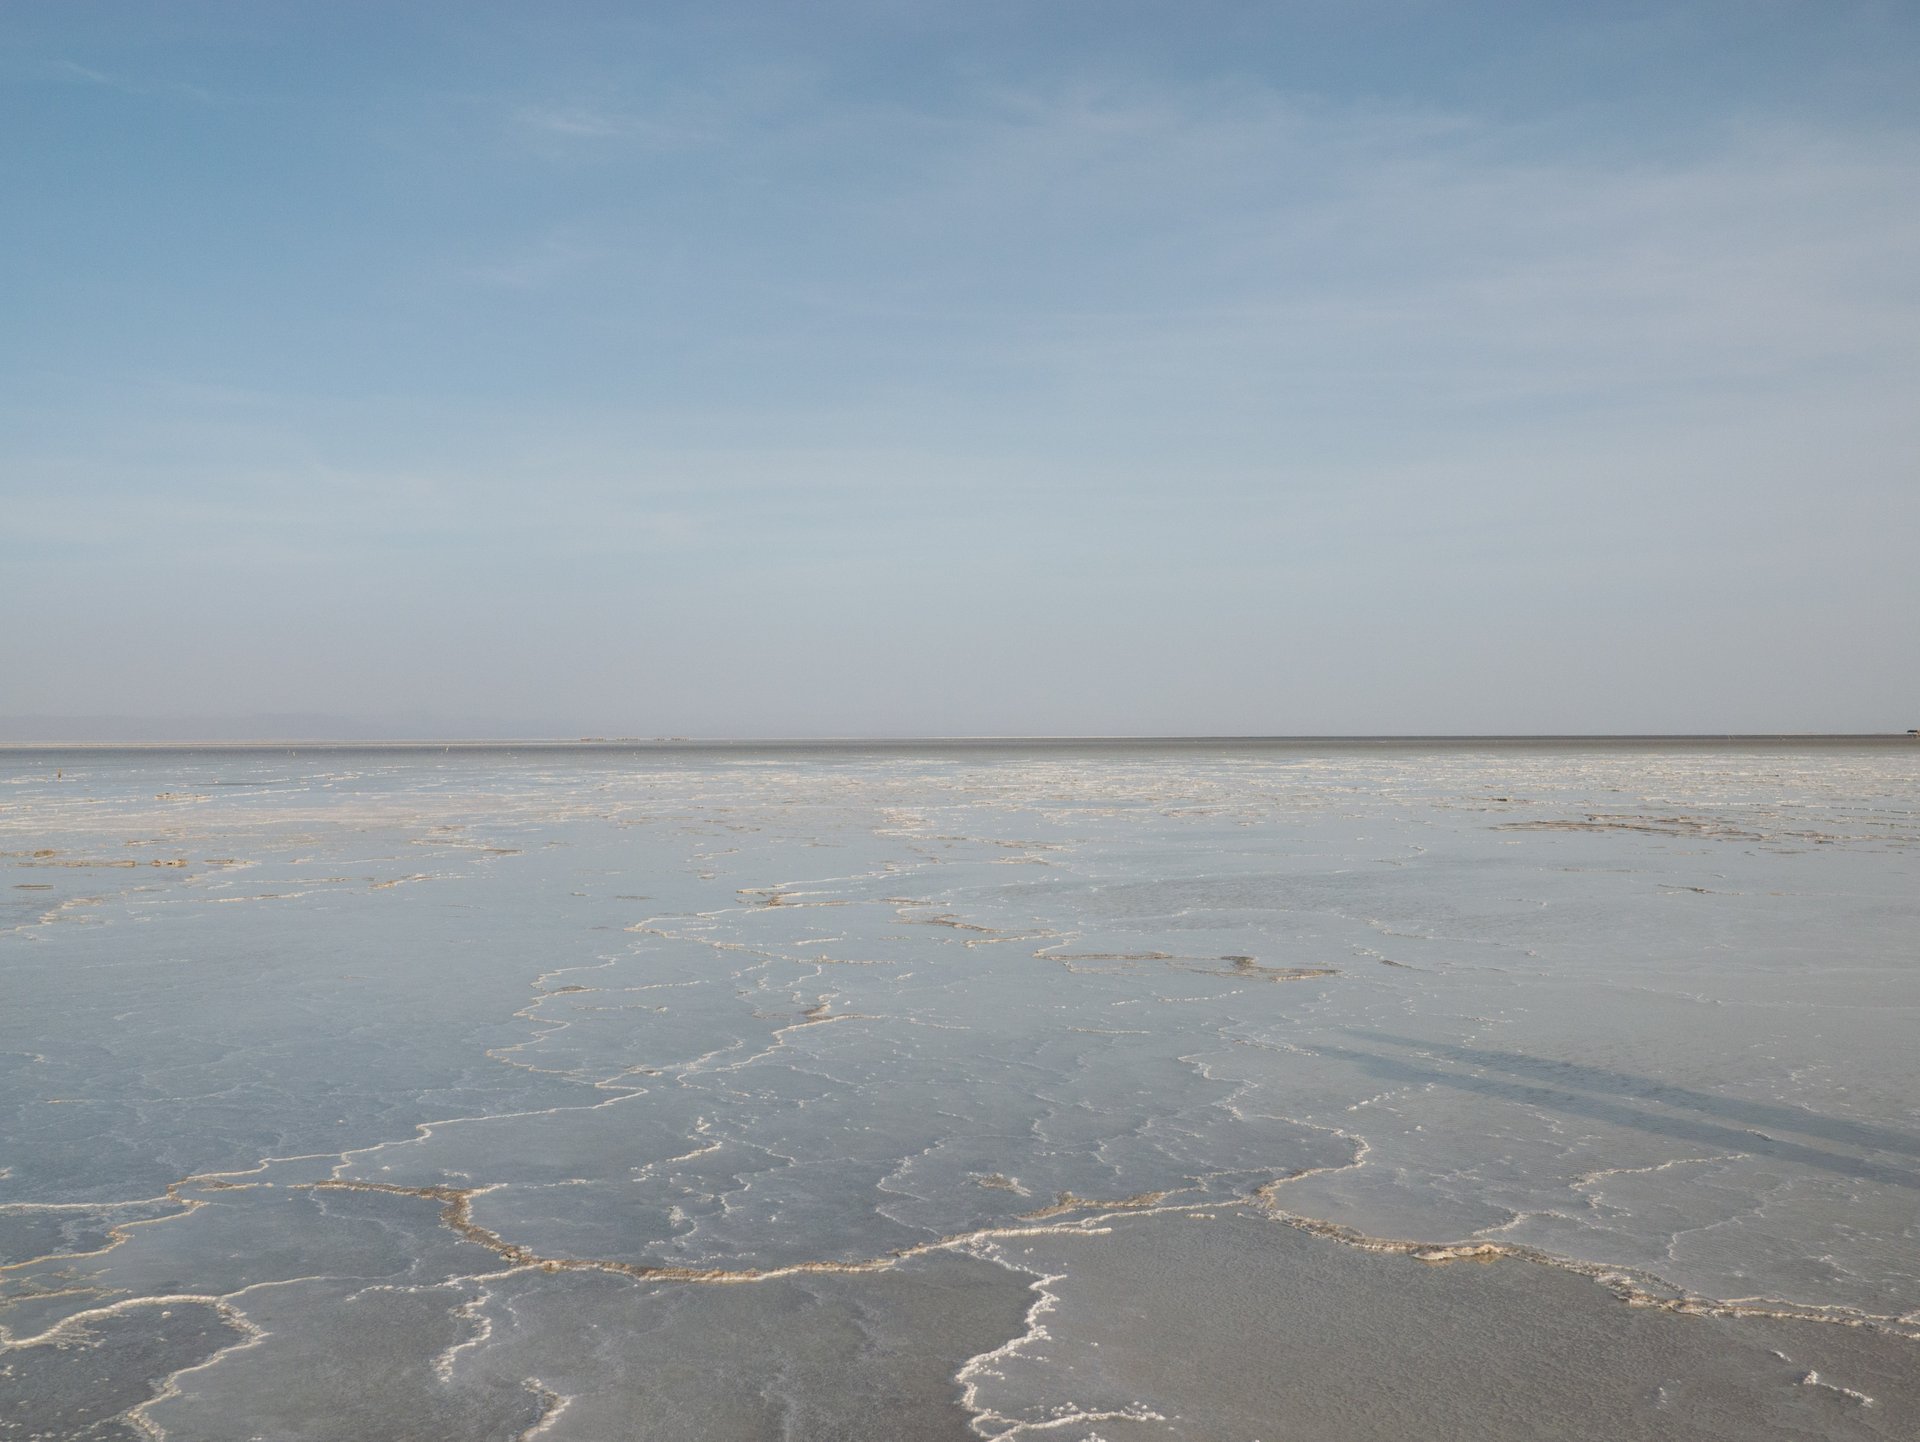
(986, 739)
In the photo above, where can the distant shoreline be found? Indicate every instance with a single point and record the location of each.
(909, 744)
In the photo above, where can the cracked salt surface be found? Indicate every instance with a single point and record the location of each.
(1271, 1092)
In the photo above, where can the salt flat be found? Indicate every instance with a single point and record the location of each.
(1234, 1090)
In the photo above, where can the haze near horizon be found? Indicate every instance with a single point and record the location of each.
(1000, 369)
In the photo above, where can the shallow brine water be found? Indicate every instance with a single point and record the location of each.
(1210, 1091)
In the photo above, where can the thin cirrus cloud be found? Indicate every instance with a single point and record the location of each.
(1090, 243)
(163, 89)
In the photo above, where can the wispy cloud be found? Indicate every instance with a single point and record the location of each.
(683, 127)
(1211, 245)
(140, 86)
(1261, 243)
(726, 105)
(553, 258)
(572, 120)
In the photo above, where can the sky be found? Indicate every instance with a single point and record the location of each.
(869, 367)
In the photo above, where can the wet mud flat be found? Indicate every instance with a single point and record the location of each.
(1222, 1091)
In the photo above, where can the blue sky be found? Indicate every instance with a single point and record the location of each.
(910, 368)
